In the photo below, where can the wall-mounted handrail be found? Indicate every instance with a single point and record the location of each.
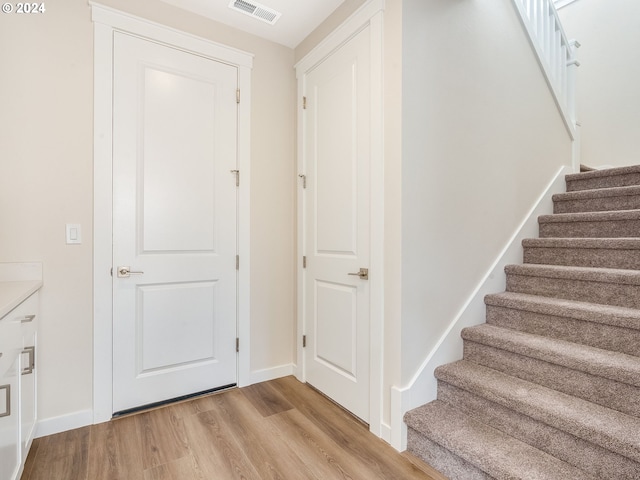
(556, 54)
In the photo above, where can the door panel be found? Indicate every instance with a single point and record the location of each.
(336, 327)
(336, 241)
(174, 146)
(165, 225)
(162, 322)
(336, 164)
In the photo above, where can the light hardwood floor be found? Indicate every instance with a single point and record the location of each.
(280, 429)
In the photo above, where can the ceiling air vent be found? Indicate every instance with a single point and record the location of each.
(255, 10)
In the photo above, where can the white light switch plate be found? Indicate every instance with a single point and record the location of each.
(74, 234)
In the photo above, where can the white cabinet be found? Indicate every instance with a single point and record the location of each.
(10, 454)
(18, 350)
(28, 406)
(10, 450)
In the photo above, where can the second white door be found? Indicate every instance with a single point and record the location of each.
(336, 157)
(174, 225)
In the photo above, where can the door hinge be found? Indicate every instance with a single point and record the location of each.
(304, 261)
(237, 262)
(304, 180)
(304, 103)
(237, 344)
(304, 341)
(238, 95)
(237, 174)
(111, 273)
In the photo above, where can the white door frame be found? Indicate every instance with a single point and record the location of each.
(369, 15)
(106, 21)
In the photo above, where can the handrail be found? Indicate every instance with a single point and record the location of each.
(556, 54)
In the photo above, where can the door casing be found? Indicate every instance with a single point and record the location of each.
(107, 20)
(369, 15)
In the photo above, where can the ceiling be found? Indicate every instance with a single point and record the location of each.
(299, 17)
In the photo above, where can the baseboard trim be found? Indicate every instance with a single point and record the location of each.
(272, 373)
(385, 432)
(63, 423)
(423, 386)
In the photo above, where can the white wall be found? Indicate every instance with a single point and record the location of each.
(46, 93)
(46, 130)
(608, 97)
(393, 172)
(481, 139)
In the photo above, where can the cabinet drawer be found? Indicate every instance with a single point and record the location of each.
(10, 342)
(28, 315)
(10, 451)
(16, 326)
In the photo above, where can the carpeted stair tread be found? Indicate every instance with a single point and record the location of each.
(615, 198)
(602, 426)
(598, 285)
(448, 464)
(611, 177)
(602, 326)
(589, 312)
(597, 193)
(612, 275)
(600, 462)
(622, 253)
(595, 361)
(621, 215)
(496, 453)
(620, 223)
(570, 370)
(629, 243)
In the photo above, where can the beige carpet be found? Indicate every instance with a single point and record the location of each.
(549, 387)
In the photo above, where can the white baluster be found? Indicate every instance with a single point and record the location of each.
(560, 58)
(556, 54)
(541, 29)
(563, 72)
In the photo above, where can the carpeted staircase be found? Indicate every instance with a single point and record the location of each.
(549, 387)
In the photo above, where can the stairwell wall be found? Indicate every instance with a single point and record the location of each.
(481, 141)
(608, 98)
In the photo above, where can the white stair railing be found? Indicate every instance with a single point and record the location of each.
(555, 53)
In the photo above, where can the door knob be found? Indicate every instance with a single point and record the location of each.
(125, 272)
(363, 273)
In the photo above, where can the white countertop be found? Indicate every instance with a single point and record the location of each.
(13, 294)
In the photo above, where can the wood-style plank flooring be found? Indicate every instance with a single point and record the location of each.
(280, 429)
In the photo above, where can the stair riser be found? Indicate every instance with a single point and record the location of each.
(583, 257)
(583, 454)
(590, 229)
(603, 204)
(597, 335)
(573, 289)
(626, 180)
(603, 391)
(442, 459)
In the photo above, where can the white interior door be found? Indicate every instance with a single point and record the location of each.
(174, 223)
(336, 217)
